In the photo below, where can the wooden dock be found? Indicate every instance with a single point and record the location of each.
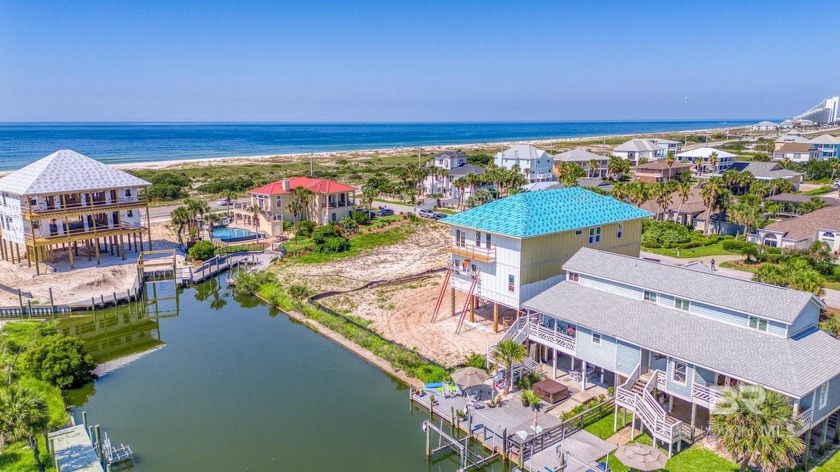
(73, 450)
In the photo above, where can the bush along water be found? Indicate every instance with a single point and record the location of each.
(264, 284)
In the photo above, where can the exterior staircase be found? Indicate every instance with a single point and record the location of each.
(518, 332)
(636, 394)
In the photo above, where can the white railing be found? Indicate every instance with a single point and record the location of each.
(659, 425)
(624, 394)
(706, 393)
(552, 336)
(806, 417)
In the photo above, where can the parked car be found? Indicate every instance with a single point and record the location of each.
(438, 215)
(425, 213)
(837, 184)
(385, 212)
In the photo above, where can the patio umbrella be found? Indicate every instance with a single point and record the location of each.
(641, 457)
(469, 377)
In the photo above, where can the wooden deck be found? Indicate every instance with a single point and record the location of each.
(73, 450)
(584, 448)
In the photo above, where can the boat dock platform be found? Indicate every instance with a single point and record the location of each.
(73, 450)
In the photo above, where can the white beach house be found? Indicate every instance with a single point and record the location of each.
(535, 164)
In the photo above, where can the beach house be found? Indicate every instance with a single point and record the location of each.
(669, 144)
(828, 145)
(595, 165)
(534, 164)
(639, 149)
(66, 203)
(672, 339)
(799, 233)
(724, 159)
(767, 171)
(765, 126)
(268, 206)
(506, 251)
(660, 171)
(454, 163)
(797, 152)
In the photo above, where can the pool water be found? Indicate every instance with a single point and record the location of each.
(227, 234)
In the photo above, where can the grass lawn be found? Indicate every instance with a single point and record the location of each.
(710, 250)
(603, 428)
(445, 210)
(18, 457)
(831, 465)
(693, 459)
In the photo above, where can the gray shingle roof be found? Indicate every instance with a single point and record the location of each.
(792, 366)
(466, 169)
(579, 155)
(639, 145)
(769, 301)
(67, 171)
(763, 170)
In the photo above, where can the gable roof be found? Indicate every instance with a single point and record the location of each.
(745, 296)
(792, 137)
(705, 153)
(826, 139)
(579, 155)
(67, 171)
(796, 147)
(319, 186)
(763, 170)
(795, 366)
(451, 155)
(466, 169)
(523, 151)
(530, 214)
(806, 226)
(638, 145)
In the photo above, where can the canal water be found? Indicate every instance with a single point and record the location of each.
(207, 381)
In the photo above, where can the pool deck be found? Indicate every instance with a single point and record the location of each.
(73, 450)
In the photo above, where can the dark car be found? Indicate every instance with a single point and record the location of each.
(385, 212)
(439, 216)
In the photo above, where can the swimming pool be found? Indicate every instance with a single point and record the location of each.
(228, 234)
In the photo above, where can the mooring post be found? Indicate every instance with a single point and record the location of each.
(431, 407)
(469, 427)
(20, 301)
(29, 309)
(92, 304)
(52, 303)
(504, 445)
(427, 426)
(84, 419)
(98, 433)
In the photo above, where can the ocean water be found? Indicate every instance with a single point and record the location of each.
(119, 143)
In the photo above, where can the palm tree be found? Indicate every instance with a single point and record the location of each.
(197, 209)
(294, 207)
(620, 191)
(699, 164)
(23, 415)
(593, 166)
(684, 190)
(638, 193)
(255, 212)
(569, 172)
(180, 217)
(617, 166)
(508, 353)
(230, 196)
(785, 162)
(670, 158)
(305, 197)
(760, 434)
(713, 161)
(710, 191)
(662, 194)
(212, 219)
(460, 184)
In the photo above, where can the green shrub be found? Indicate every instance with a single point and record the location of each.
(334, 244)
(237, 184)
(305, 228)
(772, 250)
(179, 180)
(52, 397)
(202, 250)
(476, 360)
(298, 291)
(651, 244)
(360, 217)
(429, 373)
(734, 245)
(251, 282)
(59, 360)
(164, 192)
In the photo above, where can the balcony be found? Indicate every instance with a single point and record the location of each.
(553, 336)
(706, 394)
(44, 210)
(472, 252)
(60, 232)
(340, 204)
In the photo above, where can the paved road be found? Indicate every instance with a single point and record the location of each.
(831, 297)
(161, 214)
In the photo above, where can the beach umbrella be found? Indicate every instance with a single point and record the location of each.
(641, 457)
(469, 377)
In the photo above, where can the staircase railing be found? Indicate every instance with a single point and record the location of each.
(624, 394)
(651, 409)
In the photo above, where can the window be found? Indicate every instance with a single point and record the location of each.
(619, 232)
(595, 235)
(828, 238)
(578, 232)
(573, 277)
(129, 213)
(478, 239)
(128, 193)
(681, 304)
(333, 217)
(596, 338)
(823, 394)
(679, 374)
(650, 296)
(487, 240)
(510, 283)
(758, 323)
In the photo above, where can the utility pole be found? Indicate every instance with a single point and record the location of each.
(310, 164)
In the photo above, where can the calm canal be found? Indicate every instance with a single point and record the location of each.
(213, 382)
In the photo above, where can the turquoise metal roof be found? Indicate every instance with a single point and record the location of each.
(530, 214)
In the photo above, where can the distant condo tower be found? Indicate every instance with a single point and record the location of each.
(828, 111)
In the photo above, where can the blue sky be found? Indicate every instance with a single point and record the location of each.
(414, 61)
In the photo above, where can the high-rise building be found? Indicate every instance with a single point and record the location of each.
(826, 112)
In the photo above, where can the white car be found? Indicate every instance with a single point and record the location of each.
(836, 184)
